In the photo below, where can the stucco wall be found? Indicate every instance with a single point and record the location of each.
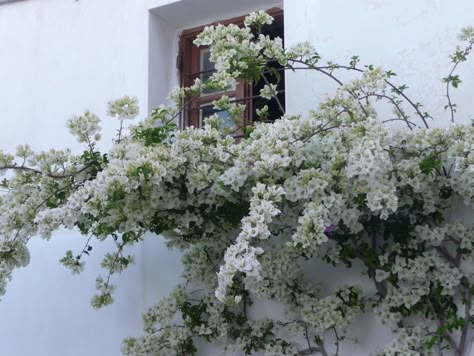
(59, 57)
(412, 38)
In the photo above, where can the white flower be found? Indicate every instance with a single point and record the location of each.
(124, 108)
(86, 127)
(268, 91)
(258, 18)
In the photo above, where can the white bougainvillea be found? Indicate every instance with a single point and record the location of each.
(250, 216)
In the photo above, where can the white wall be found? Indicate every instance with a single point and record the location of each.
(59, 57)
(411, 37)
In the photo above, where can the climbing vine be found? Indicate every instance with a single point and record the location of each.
(337, 184)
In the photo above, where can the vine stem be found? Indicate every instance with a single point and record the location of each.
(44, 201)
(323, 69)
(448, 96)
(112, 268)
(119, 135)
(322, 349)
(467, 315)
(280, 106)
(451, 342)
(455, 261)
(401, 93)
(85, 247)
(37, 171)
(449, 81)
(337, 340)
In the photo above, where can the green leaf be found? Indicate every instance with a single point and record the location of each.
(354, 61)
(430, 163)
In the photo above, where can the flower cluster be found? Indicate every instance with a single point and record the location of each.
(241, 256)
(84, 127)
(124, 108)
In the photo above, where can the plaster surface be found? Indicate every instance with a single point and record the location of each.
(60, 57)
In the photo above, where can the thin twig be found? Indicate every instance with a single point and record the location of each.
(306, 335)
(467, 315)
(444, 252)
(119, 136)
(392, 101)
(321, 348)
(37, 171)
(417, 110)
(42, 203)
(323, 69)
(85, 247)
(337, 340)
(452, 107)
(280, 106)
(445, 334)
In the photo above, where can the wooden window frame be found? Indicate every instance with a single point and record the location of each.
(189, 66)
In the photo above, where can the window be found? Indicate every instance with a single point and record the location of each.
(193, 62)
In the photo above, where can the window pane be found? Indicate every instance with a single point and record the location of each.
(227, 121)
(207, 67)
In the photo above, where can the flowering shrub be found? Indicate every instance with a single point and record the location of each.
(337, 184)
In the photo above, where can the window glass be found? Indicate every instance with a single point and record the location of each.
(208, 110)
(207, 67)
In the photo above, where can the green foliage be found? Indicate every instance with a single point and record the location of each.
(155, 135)
(453, 80)
(430, 164)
